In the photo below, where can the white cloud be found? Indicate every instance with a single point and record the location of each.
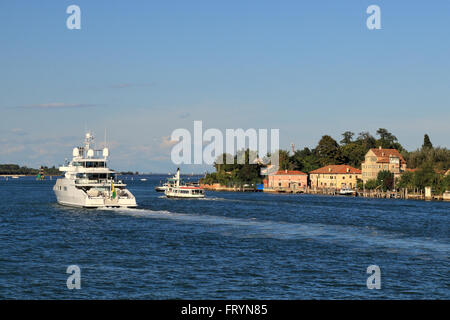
(166, 142)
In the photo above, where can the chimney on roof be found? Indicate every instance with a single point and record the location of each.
(329, 169)
(379, 147)
(285, 171)
(348, 169)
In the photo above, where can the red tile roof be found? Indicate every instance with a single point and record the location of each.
(288, 172)
(337, 168)
(384, 154)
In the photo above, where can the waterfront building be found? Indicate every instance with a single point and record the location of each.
(335, 176)
(377, 160)
(286, 179)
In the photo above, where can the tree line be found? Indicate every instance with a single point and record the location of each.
(230, 172)
(430, 161)
(350, 150)
(14, 169)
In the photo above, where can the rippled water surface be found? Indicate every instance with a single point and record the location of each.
(228, 245)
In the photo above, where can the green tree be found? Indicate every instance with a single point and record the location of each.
(328, 151)
(354, 153)
(426, 177)
(231, 173)
(305, 160)
(284, 160)
(224, 162)
(367, 140)
(439, 157)
(427, 142)
(371, 184)
(359, 184)
(347, 137)
(385, 179)
(406, 180)
(444, 184)
(388, 140)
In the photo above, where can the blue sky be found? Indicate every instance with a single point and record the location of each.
(144, 68)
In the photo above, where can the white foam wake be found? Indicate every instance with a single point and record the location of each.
(360, 237)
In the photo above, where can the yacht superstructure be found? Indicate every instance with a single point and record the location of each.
(89, 183)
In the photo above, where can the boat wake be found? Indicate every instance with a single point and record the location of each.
(359, 237)
(213, 199)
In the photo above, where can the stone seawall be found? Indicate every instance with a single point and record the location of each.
(359, 193)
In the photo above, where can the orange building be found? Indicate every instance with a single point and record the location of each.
(380, 159)
(335, 176)
(287, 179)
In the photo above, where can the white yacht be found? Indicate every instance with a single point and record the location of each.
(175, 189)
(89, 183)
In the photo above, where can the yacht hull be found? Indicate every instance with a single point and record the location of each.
(185, 196)
(68, 194)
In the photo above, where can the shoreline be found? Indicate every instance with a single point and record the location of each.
(27, 175)
(332, 192)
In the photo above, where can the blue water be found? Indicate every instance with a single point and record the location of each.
(226, 246)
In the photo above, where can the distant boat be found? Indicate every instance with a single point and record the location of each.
(162, 188)
(143, 179)
(177, 190)
(14, 177)
(347, 192)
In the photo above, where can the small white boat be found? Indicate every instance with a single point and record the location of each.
(347, 192)
(176, 190)
(143, 179)
(162, 188)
